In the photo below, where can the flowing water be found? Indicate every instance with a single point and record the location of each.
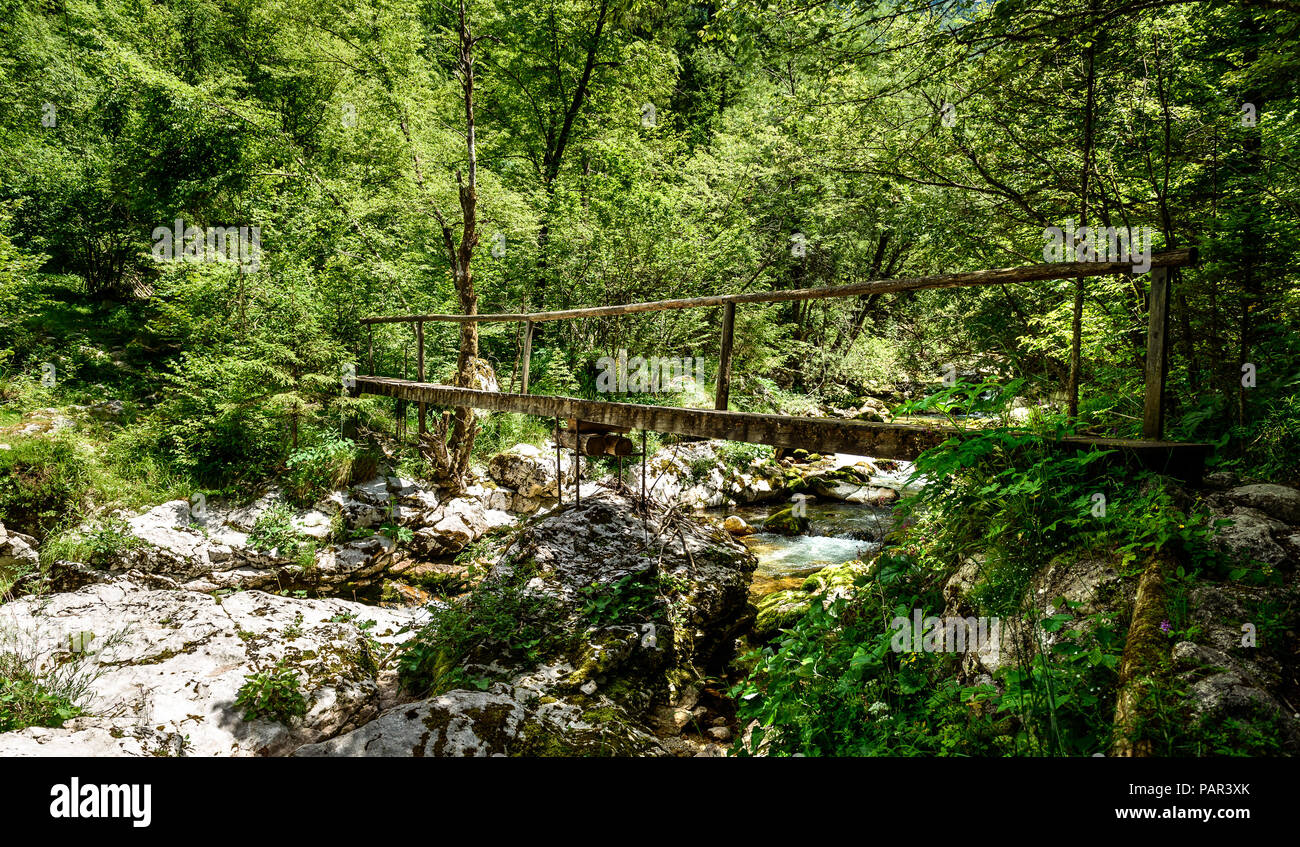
(839, 532)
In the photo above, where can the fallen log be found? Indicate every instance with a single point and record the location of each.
(1144, 651)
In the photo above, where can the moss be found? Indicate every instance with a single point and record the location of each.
(785, 522)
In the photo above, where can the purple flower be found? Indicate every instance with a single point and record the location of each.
(1165, 627)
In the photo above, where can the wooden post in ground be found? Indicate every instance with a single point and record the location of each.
(419, 343)
(527, 356)
(1153, 415)
(559, 477)
(371, 370)
(1076, 354)
(577, 464)
(724, 357)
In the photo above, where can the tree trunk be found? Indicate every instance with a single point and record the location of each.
(451, 455)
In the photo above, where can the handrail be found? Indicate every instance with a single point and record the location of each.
(1030, 273)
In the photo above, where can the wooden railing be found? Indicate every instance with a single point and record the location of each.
(1157, 335)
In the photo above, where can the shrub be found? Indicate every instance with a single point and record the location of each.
(41, 484)
(216, 423)
(274, 695)
(1275, 450)
(275, 530)
(43, 688)
(315, 470)
(103, 545)
(498, 617)
(25, 701)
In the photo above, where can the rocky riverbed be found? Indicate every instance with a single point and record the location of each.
(193, 599)
(642, 607)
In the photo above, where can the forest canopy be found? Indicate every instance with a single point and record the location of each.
(630, 150)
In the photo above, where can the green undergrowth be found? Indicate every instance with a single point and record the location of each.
(835, 683)
(275, 694)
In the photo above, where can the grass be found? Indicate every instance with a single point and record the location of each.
(45, 679)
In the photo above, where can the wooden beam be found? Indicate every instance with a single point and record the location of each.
(824, 435)
(723, 392)
(1157, 367)
(998, 276)
(419, 342)
(597, 443)
(526, 356)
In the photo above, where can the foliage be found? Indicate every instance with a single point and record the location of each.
(25, 701)
(44, 687)
(41, 484)
(498, 619)
(275, 530)
(833, 684)
(103, 544)
(313, 471)
(273, 694)
(633, 598)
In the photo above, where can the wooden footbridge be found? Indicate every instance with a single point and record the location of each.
(823, 435)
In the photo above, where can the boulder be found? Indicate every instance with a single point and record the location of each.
(529, 471)
(492, 723)
(1256, 535)
(1277, 501)
(736, 525)
(596, 689)
(459, 523)
(18, 553)
(873, 410)
(786, 522)
(781, 609)
(108, 410)
(204, 550)
(164, 668)
(692, 475)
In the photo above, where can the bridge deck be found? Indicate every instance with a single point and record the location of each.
(818, 435)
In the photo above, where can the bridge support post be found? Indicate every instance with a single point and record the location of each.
(723, 392)
(419, 358)
(1157, 368)
(559, 475)
(526, 357)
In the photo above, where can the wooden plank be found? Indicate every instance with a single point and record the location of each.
(997, 276)
(526, 356)
(1157, 367)
(723, 391)
(822, 435)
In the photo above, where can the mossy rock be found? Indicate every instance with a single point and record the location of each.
(785, 522)
(839, 577)
(781, 609)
